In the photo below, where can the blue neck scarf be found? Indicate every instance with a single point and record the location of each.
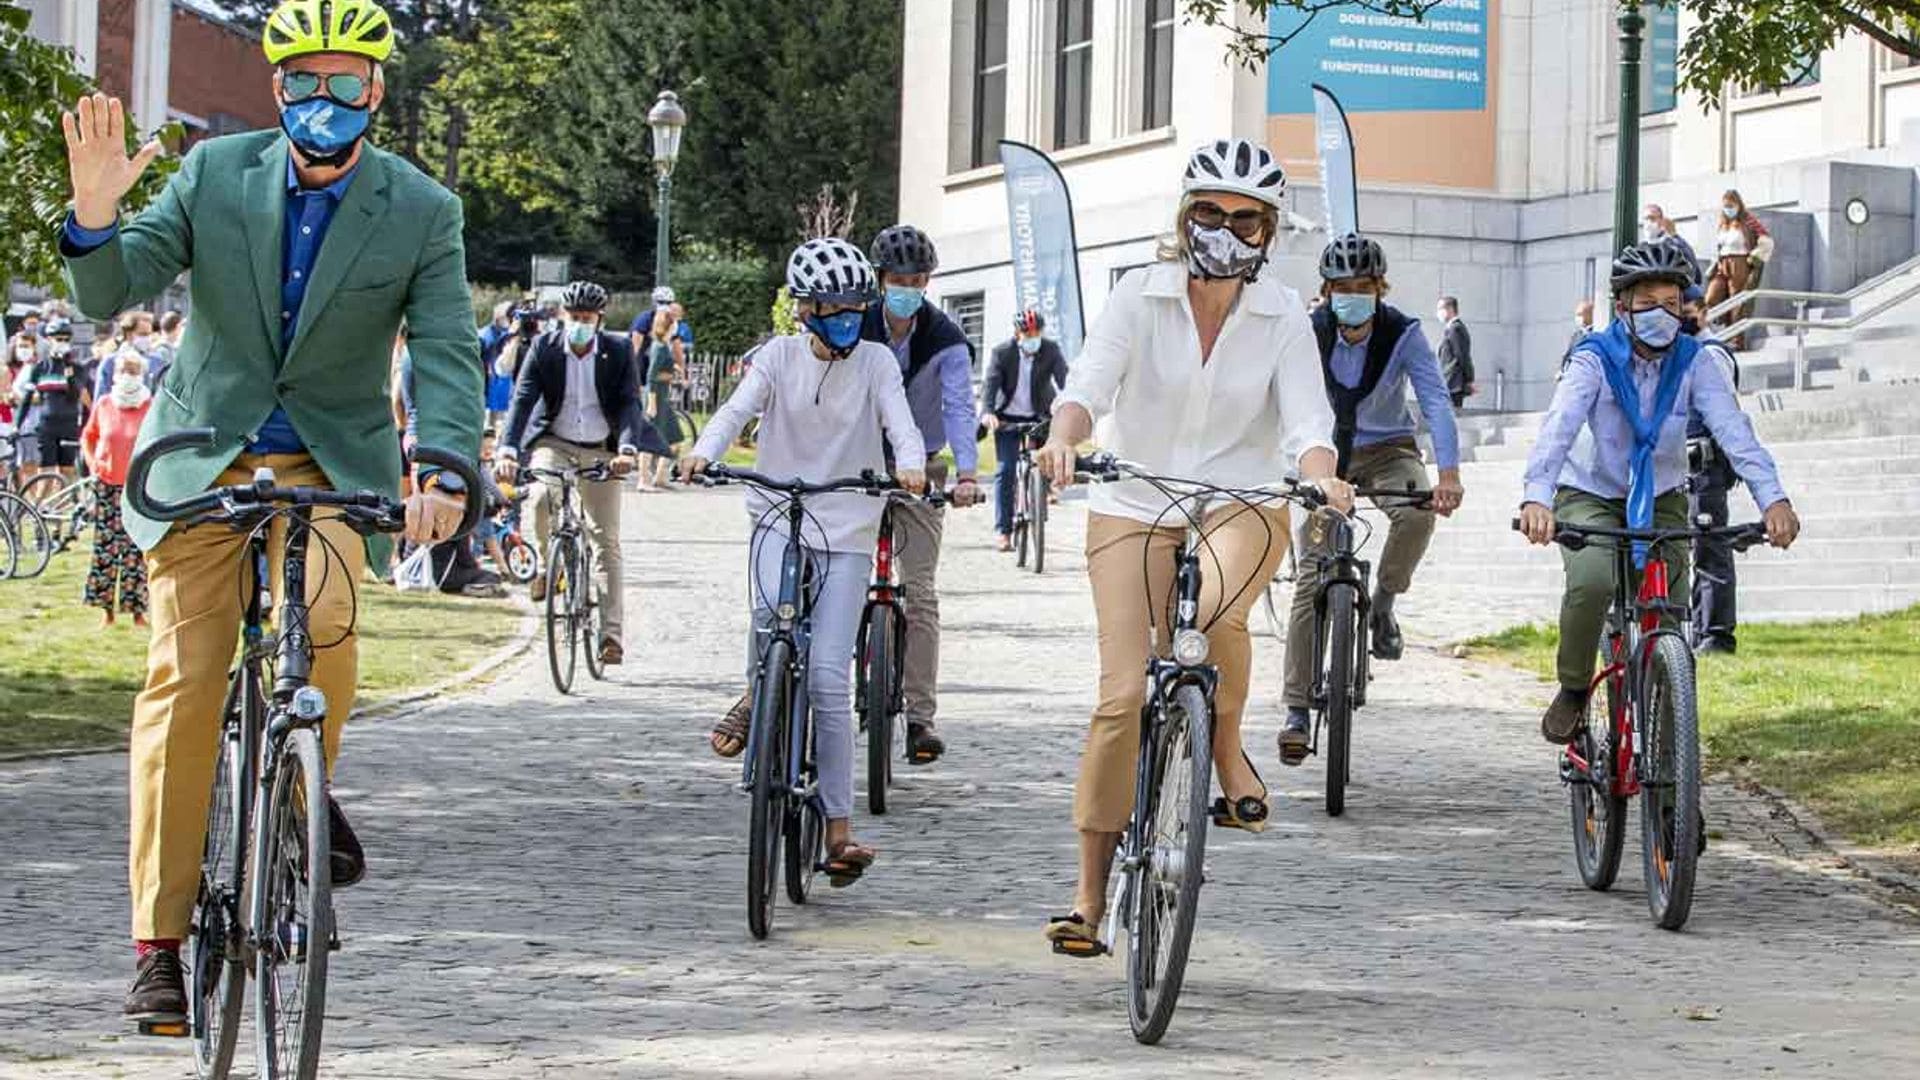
(1615, 349)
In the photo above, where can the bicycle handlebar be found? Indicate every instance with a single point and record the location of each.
(594, 473)
(374, 511)
(1575, 537)
(1107, 468)
(869, 482)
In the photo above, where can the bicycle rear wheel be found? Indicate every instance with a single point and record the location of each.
(215, 974)
(563, 633)
(1342, 644)
(805, 836)
(1670, 783)
(296, 928)
(9, 548)
(1166, 890)
(30, 539)
(590, 614)
(876, 694)
(58, 501)
(1599, 816)
(770, 709)
(1037, 516)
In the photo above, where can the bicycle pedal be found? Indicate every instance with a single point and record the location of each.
(333, 942)
(166, 1029)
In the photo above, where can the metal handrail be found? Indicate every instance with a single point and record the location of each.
(1799, 322)
(1732, 303)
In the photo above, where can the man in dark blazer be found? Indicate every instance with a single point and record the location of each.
(576, 403)
(1022, 378)
(1455, 352)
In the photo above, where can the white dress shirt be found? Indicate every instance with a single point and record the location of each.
(581, 420)
(820, 420)
(1021, 401)
(1243, 418)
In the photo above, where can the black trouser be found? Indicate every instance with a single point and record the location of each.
(1714, 607)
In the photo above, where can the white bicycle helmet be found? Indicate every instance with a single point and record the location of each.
(663, 294)
(830, 270)
(1237, 165)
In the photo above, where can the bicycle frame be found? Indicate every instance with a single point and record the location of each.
(883, 592)
(1342, 569)
(792, 622)
(1633, 627)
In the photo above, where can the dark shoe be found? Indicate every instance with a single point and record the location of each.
(1714, 645)
(1564, 717)
(1387, 644)
(1296, 736)
(349, 862)
(923, 746)
(159, 992)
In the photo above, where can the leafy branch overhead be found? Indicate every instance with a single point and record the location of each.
(37, 82)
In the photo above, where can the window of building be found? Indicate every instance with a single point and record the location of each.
(1073, 74)
(1157, 86)
(989, 81)
(970, 311)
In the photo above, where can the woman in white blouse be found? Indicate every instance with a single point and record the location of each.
(1201, 368)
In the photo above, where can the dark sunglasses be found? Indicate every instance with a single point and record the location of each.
(346, 89)
(1248, 225)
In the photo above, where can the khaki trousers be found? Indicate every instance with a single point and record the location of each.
(918, 530)
(197, 581)
(1131, 567)
(1409, 530)
(601, 505)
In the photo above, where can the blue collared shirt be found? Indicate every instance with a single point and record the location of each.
(309, 213)
(958, 420)
(1586, 440)
(1383, 416)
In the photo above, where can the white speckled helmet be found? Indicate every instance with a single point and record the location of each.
(1236, 165)
(830, 270)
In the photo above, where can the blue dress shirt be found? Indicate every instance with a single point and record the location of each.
(1383, 416)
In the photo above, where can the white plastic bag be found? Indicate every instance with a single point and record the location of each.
(415, 572)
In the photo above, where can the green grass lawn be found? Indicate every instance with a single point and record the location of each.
(67, 682)
(1828, 712)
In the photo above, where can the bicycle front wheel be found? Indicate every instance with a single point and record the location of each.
(523, 563)
(877, 692)
(216, 975)
(1670, 822)
(1037, 515)
(296, 913)
(1166, 890)
(563, 632)
(590, 614)
(1342, 645)
(768, 735)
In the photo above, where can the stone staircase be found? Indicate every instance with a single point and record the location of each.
(1850, 459)
(1884, 350)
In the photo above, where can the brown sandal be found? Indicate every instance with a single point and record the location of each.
(729, 736)
(846, 861)
(1073, 934)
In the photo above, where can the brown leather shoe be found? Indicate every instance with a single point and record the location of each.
(159, 993)
(610, 652)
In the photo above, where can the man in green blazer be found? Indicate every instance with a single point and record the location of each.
(307, 250)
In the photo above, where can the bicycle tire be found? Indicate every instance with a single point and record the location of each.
(1341, 647)
(590, 613)
(805, 839)
(1022, 519)
(216, 975)
(1599, 816)
(295, 838)
(9, 548)
(33, 541)
(60, 504)
(523, 563)
(1037, 515)
(877, 692)
(1177, 843)
(769, 783)
(562, 632)
(1670, 799)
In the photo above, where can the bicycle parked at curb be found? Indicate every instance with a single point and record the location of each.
(780, 770)
(260, 909)
(1029, 498)
(880, 657)
(27, 542)
(1342, 651)
(573, 607)
(1649, 745)
(1162, 853)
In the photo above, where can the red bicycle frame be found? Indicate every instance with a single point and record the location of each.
(1624, 779)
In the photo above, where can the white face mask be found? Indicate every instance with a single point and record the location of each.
(129, 390)
(23, 353)
(142, 342)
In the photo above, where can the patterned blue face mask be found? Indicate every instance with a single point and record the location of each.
(324, 130)
(840, 332)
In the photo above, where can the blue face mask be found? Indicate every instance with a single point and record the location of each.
(1654, 327)
(1352, 309)
(324, 130)
(839, 332)
(580, 334)
(903, 301)
(1029, 345)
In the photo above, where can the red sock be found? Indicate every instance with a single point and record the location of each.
(141, 949)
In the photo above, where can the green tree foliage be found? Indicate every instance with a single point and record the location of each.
(726, 300)
(37, 82)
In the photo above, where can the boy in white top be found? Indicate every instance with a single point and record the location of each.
(823, 398)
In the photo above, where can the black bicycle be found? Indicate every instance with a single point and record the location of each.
(27, 541)
(1163, 850)
(573, 605)
(780, 771)
(1029, 497)
(262, 909)
(1342, 629)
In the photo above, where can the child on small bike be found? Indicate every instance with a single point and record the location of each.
(1630, 388)
(823, 397)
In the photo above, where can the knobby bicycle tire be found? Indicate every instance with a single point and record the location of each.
(1342, 642)
(877, 693)
(770, 708)
(1670, 796)
(1178, 817)
(294, 867)
(590, 610)
(562, 632)
(1599, 816)
(215, 974)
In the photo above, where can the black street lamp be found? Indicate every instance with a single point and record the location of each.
(1626, 190)
(668, 120)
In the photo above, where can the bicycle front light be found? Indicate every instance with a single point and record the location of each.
(1190, 648)
(309, 703)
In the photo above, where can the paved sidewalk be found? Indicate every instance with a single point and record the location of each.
(556, 887)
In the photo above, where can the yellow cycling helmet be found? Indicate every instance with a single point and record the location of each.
(305, 27)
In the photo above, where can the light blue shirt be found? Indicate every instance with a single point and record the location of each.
(958, 422)
(1598, 463)
(1384, 416)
